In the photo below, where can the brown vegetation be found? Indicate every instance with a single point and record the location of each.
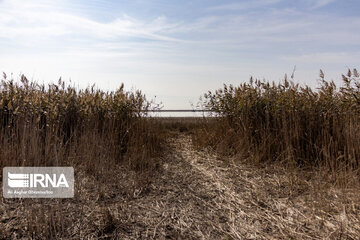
(57, 125)
(138, 177)
(194, 194)
(288, 123)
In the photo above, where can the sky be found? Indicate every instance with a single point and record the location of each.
(175, 51)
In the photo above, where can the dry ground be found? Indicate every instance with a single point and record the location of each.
(192, 195)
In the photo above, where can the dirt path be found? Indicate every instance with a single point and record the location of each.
(199, 196)
(193, 195)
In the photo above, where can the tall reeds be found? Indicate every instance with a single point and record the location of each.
(60, 125)
(286, 122)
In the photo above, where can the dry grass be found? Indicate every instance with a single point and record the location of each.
(174, 125)
(58, 125)
(287, 123)
(143, 178)
(93, 131)
(192, 195)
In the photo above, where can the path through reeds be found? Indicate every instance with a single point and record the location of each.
(193, 195)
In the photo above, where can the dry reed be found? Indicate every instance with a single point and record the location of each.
(59, 125)
(286, 122)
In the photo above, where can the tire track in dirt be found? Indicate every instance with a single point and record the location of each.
(199, 196)
(193, 195)
(243, 213)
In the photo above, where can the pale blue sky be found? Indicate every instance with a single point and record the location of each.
(177, 50)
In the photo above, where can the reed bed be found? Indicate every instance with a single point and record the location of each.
(288, 123)
(56, 124)
(138, 177)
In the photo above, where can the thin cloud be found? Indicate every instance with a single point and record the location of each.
(209, 46)
(322, 3)
(48, 21)
(324, 58)
(243, 5)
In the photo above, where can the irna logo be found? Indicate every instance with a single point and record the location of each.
(38, 182)
(20, 180)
